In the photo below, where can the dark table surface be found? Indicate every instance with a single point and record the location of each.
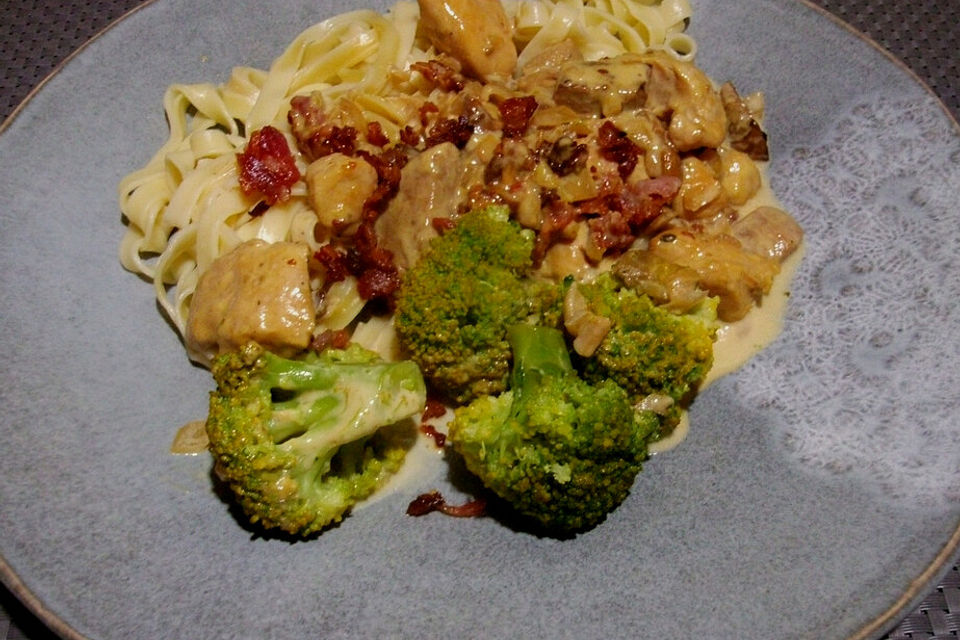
(36, 35)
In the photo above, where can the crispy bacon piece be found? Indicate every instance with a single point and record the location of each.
(409, 136)
(643, 200)
(516, 114)
(429, 502)
(330, 340)
(617, 147)
(565, 156)
(616, 219)
(426, 110)
(375, 134)
(455, 130)
(377, 276)
(433, 409)
(315, 136)
(372, 265)
(557, 215)
(387, 165)
(439, 439)
(267, 166)
(333, 261)
(439, 75)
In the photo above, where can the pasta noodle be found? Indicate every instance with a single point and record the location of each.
(185, 208)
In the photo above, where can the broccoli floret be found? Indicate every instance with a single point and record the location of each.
(557, 449)
(300, 441)
(649, 351)
(454, 306)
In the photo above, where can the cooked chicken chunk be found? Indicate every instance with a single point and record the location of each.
(745, 132)
(724, 268)
(683, 93)
(338, 186)
(769, 232)
(667, 284)
(256, 292)
(475, 32)
(602, 88)
(429, 185)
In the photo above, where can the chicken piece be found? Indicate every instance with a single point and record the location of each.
(604, 87)
(724, 268)
(683, 94)
(667, 284)
(769, 232)
(429, 188)
(745, 132)
(257, 292)
(701, 194)
(738, 175)
(338, 185)
(475, 32)
(587, 328)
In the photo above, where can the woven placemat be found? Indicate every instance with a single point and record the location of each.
(36, 36)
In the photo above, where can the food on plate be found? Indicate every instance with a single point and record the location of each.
(444, 194)
(300, 442)
(454, 306)
(659, 357)
(558, 449)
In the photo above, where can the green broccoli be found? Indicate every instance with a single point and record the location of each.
(300, 441)
(454, 306)
(557, 449)
(649, 351)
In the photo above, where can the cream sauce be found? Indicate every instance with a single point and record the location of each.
(191, 439)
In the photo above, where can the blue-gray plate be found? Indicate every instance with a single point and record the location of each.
(817, 495)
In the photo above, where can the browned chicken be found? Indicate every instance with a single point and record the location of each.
(259, 292)
(475, 32)
(429, 185)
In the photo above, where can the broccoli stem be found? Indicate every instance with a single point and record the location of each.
(538, 352)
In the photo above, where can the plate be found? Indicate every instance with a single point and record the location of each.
(818, 494)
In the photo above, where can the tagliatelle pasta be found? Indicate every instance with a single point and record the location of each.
(186, 208)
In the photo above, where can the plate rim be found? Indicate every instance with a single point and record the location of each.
(917, 589)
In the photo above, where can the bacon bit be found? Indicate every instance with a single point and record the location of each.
(267, 166)
(439, 75)
(388, 166)
(557, 215)
(442, 225)
(428, 502)
(377, 274)
(375, 134)
(409, 136)
(516, 114)
(617, 147)
(334, 262)
(330, 139)
(434, 409)
(316, 137)
(330, 340)
(305, 116)
(642, 201)
(565, 156)
(439, 439)
(457, 131)
(611, 231)
(426, 109)
(378, 284)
